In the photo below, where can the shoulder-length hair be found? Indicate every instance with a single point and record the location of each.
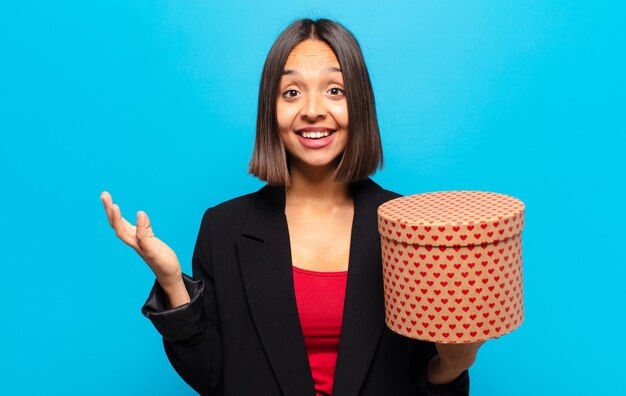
(363, 153)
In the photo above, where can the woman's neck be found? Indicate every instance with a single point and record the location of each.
(316, 186)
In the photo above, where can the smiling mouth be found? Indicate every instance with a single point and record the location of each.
(315, 135)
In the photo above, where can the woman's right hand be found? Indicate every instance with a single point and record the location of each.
(159, 257)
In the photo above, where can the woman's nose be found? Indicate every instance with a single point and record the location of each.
(314, 107)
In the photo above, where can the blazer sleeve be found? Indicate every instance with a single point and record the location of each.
(191, 332)
(424, 351)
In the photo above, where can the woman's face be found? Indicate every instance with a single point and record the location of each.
(311, 107)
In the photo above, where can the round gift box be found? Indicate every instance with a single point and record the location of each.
(452, 265)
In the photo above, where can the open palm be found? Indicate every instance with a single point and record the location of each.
(160, 257)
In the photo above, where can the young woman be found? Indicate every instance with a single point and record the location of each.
(287, 293)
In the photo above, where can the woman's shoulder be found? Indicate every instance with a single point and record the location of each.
(234, 205)
(237, 206)
(231, 213)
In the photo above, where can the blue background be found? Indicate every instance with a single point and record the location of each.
(155, 101)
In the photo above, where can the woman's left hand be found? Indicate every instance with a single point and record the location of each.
(451, 361)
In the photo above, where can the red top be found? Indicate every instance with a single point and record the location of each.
(320, 296)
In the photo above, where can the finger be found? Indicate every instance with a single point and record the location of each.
(116, 216)
(105, 197)
(144, 230)
(123, 229)
(107, 201)
(113, 212)
(110, 216)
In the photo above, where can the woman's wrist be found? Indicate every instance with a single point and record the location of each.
(451, 361)
(175, 291)
(440, 373)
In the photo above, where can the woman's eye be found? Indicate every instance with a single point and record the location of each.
(336, 91)
(290, 93)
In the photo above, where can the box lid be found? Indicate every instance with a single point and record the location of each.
(451, 218)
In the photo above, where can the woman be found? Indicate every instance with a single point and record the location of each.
(286, 296)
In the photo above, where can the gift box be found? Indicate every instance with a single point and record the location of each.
(452, 265)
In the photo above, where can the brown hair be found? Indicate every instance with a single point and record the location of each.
(363, 153)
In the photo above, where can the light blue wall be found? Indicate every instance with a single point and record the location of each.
(155, 101)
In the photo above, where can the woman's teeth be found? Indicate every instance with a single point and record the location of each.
(315, 135)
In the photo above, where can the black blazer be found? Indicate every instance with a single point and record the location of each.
(240, 335)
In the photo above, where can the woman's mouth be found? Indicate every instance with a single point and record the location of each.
(316, 139)
(315, 135)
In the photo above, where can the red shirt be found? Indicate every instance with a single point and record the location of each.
(320, 296)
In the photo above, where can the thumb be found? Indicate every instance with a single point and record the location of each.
(144, 230)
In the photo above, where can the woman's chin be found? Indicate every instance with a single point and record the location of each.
(316, 164)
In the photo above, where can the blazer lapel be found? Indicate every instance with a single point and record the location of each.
(363, 317)
(265, 260)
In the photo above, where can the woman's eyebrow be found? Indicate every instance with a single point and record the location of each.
(329, 69)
